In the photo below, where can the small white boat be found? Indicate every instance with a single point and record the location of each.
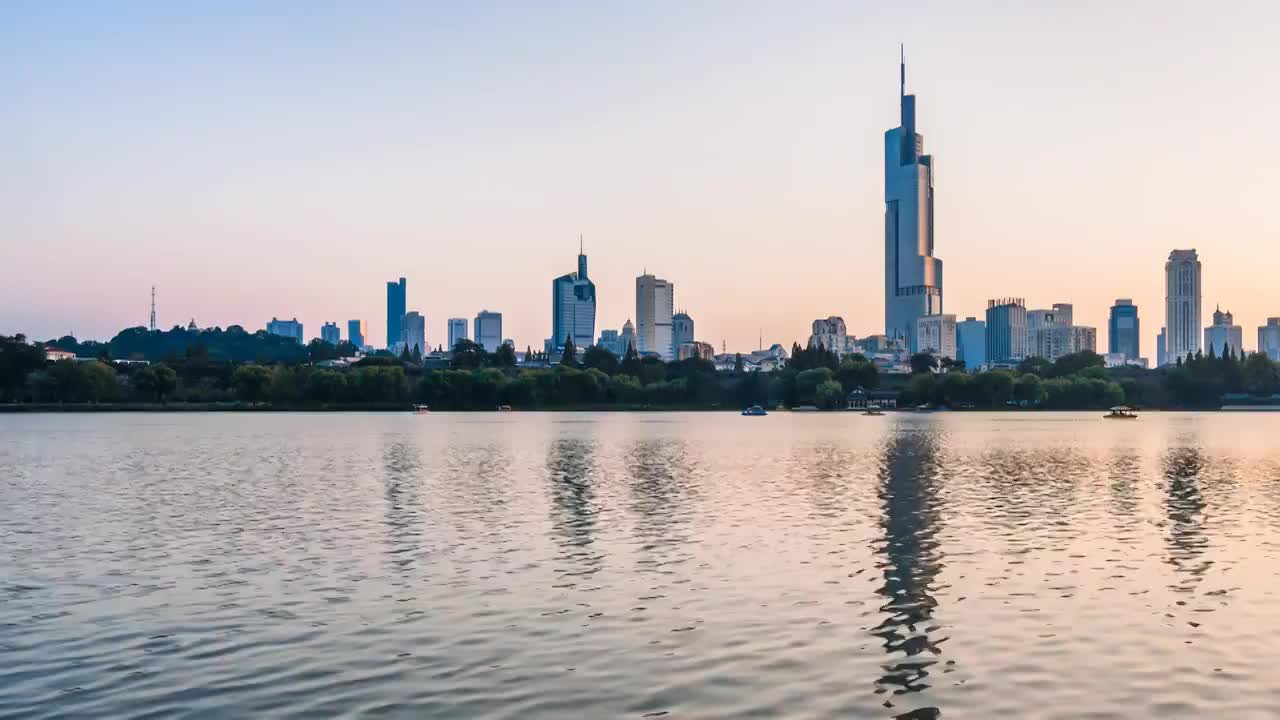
(754, 411)
(1121, 412)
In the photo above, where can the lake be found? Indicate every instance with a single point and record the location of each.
(705, 565)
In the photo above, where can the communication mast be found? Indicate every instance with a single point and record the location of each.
(153, 308)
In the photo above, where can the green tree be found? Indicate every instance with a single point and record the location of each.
(807, 383)
(625, 389)
(1261, 376)
(923, 362)
(1027, 389)
(958, 389)
(318, 351)
(924, 388)
(504, 356)
(829, 395)
(18, 358)
(156, 381)
(631, 364)
(597, 357)
(99, 381)
(251, 383)
(1076, 362)
(995, 386)
(856, 371)
(1035, 365)
(569, 356)
(467, 355)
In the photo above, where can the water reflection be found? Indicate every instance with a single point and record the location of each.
(910, 561)
(573, 503)
(400, 468)
(1184, 508)
(660, 471)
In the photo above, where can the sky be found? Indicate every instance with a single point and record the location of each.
(289, 158)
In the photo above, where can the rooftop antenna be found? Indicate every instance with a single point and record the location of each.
(579, 243)
(902, 69)
(153, 308)
(761, 339)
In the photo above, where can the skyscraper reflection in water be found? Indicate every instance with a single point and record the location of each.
(569, 470)
(1184, 508)
(909, 558)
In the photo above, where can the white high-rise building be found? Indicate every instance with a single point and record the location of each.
(912, 275)
(457, 331)
(1182, 305)
(655, 306)
(936, 334)
(413, 333)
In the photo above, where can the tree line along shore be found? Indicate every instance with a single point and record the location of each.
(235, 371)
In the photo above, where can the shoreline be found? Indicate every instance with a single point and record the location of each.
(239, 407)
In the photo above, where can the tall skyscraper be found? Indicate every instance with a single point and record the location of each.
(413, 333)
(936, 334)
(655, 304)
(971, 342)
(573, 307)
(488, 330)
(457, 331)
(912, 275)
(355, 333)
(395, 311)
(1269, 338)
(286, 328)
(1006, 331)
(1223, 334)
(681, 329)
(330, 333)
(1182, 304)
(1123, 336)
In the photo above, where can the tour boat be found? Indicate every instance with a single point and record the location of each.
(504, 408)
(421, 409)
(754, 410)
(1121, 412)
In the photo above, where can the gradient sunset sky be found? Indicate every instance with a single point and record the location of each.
(259, 159)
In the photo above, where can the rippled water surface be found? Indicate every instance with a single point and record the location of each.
(531, 565)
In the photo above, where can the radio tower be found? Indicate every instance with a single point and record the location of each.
(153, 308)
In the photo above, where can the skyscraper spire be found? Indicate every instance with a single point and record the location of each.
(902, 70)
(580, 244)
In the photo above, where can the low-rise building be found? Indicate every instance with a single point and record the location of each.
(695, 349)
(861, 398)
(54, 354)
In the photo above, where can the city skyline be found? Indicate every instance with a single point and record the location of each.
(769, 158)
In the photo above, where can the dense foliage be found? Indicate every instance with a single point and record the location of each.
(477, 380)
